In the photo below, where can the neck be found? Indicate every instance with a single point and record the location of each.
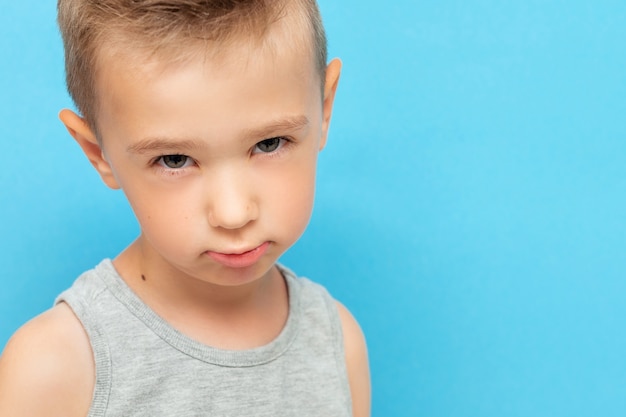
(233, 316)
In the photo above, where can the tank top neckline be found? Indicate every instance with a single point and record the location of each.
(221, 357)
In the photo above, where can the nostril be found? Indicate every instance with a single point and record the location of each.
(232, 216)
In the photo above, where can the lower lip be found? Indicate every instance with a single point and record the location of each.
(240, 260)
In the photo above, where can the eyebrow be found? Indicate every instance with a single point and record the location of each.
(150, 145)
(164, 144)
(288, 124)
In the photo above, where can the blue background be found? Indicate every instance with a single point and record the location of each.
(470, 207)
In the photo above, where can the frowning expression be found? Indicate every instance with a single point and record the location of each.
(217, 158)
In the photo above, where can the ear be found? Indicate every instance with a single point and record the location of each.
(86, 139)
(333, 70)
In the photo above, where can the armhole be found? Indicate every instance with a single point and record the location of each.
(100, 352)
(338, 345)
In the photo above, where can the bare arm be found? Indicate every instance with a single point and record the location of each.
(357, 363)
(47, 368)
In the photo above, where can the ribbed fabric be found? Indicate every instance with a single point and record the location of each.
(145, 367)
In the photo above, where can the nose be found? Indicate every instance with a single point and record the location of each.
(232, 202)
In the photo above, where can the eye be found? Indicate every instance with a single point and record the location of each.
(269, 145)
(174, 161)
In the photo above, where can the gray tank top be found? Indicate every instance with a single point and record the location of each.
(145, 367)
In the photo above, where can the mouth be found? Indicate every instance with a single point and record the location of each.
(239, 260)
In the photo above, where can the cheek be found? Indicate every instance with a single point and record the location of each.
(293, 199)
(160, 214)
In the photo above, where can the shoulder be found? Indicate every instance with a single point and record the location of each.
(47, 368)
(356, 362)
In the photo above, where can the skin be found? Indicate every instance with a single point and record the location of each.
(214, 157)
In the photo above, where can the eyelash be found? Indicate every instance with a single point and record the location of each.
(160, 161)
(282, 145)
(159, 164)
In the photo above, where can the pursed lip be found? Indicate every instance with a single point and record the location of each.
(239, 260)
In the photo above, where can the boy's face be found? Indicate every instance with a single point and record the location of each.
(217, 159)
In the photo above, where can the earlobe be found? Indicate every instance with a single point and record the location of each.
(333, 71)
(86, 139)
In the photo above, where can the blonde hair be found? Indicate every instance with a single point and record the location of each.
(89, 26)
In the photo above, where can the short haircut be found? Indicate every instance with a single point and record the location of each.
(166, 28)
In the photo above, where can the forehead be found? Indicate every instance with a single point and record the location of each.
(207, 90)
(291, 34)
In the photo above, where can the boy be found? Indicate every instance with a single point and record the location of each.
(209, 115)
